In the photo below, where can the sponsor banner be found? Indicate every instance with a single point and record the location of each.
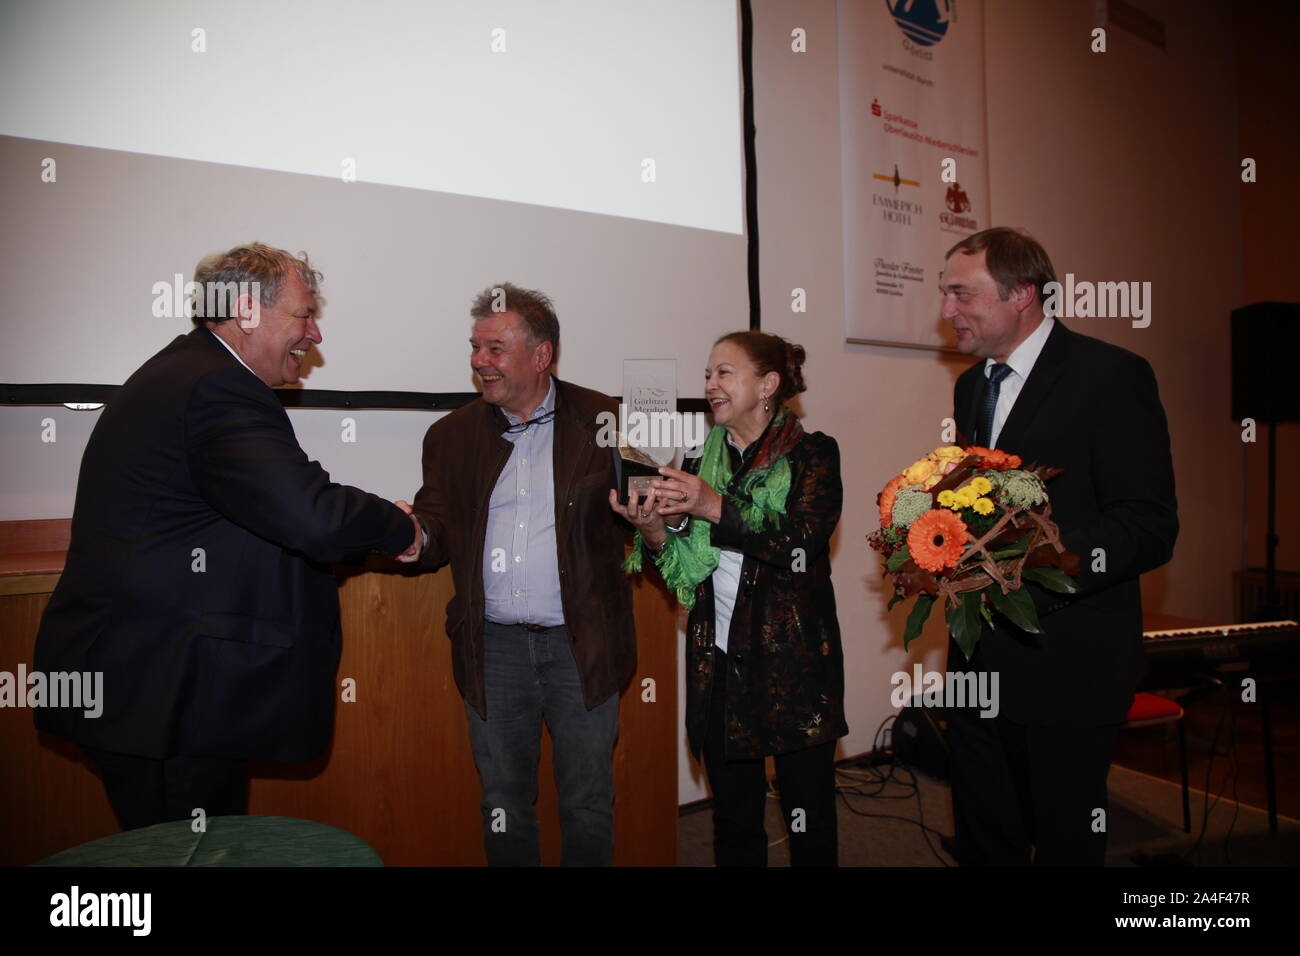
(915, 158)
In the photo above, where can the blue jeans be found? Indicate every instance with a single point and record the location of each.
(530, 677)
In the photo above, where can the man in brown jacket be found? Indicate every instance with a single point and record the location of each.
(515, 497)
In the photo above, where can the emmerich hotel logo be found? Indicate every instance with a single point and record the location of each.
(893, 209)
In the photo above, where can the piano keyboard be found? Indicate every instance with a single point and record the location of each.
(1219, 630)
(1179, 657)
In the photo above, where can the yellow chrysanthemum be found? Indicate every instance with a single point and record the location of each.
(981, 485)
(946, 498)
(983, 506)
(965, 496)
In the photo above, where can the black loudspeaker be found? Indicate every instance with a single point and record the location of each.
(1265, 348)
(920, 739)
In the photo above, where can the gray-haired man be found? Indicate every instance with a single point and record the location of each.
(515, 497)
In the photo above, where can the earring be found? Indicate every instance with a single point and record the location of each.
(766, 407)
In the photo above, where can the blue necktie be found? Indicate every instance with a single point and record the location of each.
(996, 374)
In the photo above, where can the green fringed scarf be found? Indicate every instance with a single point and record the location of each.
(687, 559)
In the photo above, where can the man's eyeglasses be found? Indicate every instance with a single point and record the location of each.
(523, 426)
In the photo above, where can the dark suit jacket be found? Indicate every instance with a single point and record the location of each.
(1093, 409)
(197, 577)
(464, 454)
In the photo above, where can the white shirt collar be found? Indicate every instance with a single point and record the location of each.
(226, 346)
(1026, 354)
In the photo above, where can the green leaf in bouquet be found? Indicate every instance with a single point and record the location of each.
(916, 620)
(898, 596)
(1017, 607)
(964, 622)
(986, 613)
(1052, 579)
(897, 559)
(1014, 551)
(1042, 556)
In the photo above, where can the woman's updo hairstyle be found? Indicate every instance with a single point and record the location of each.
(771, 353)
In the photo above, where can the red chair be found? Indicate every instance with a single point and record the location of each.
(1149, 709)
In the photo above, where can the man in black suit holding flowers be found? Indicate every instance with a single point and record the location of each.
(1030, 783)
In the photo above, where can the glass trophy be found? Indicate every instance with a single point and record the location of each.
(650, 430)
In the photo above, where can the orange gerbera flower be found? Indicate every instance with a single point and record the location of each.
(886, 499)
(937, 539)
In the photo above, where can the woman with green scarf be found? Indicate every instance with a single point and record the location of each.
(742, 538)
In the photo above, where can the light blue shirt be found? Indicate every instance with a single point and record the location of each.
(521, 570)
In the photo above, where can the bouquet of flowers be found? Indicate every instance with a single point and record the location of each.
(968, 526)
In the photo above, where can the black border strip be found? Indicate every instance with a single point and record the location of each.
(751, 161)
(57, 394)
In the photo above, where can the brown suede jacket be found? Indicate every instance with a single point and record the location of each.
(464, 454)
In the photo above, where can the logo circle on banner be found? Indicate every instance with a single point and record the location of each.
(924, 22)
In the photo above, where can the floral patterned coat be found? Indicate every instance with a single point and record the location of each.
(785, 686)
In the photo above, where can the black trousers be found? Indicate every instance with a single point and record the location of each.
(806, 779)
(1023, 793)
(145, 790)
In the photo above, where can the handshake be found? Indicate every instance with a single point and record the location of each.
(412, 554)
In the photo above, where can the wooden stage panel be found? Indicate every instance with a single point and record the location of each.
(50, 798)
(400, 774)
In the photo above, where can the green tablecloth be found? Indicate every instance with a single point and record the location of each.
(228, 841)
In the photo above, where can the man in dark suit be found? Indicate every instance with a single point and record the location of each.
(1031, 782)
(198, 580)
